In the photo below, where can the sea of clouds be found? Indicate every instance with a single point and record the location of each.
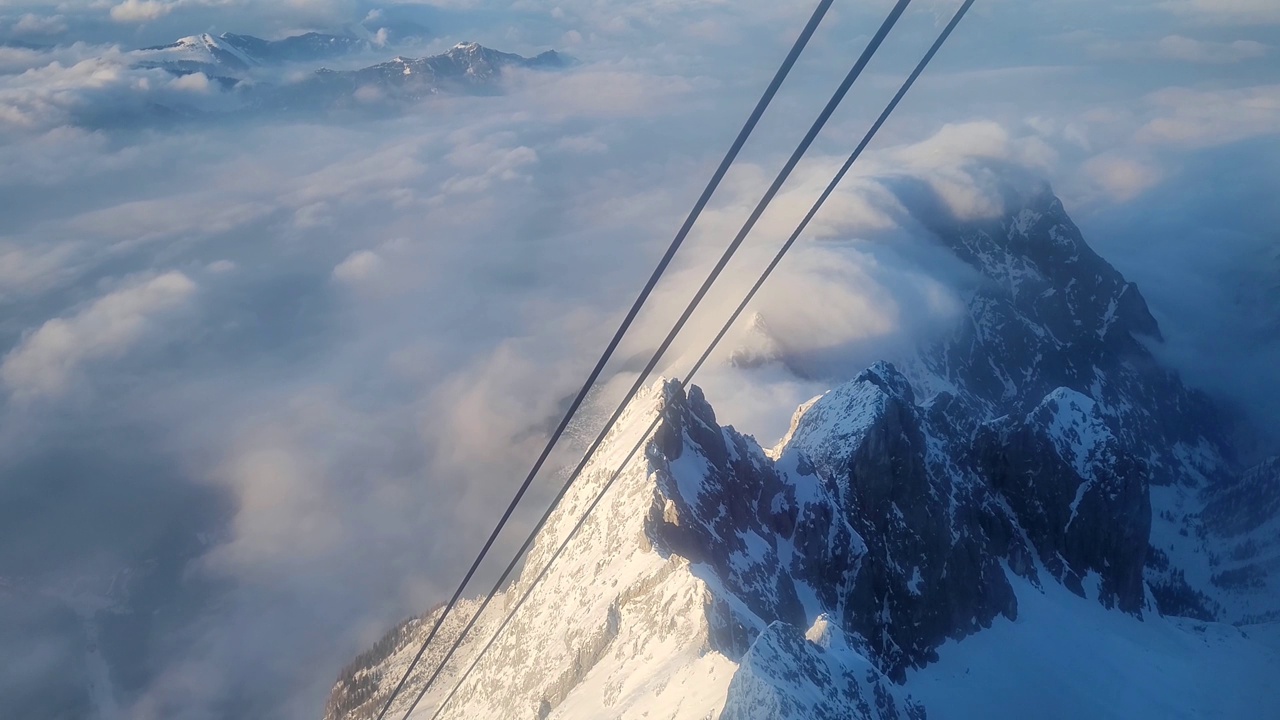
(266, 380)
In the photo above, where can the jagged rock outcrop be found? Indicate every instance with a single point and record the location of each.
(1082, 499)
(934, 537)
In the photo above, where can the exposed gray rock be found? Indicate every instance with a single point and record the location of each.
(1082, 499)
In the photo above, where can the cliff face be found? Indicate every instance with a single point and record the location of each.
(1040, 445)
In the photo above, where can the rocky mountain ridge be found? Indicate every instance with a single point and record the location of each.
(1040, 445)
(464, 68)
(247, 68)
(233, 55)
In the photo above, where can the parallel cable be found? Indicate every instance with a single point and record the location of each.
(783, 71)
(644, 438)
(872, 46)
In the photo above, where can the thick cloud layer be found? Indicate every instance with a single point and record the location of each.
(266, 380)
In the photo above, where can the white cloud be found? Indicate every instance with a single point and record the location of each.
(1178, 47)
(1175, 48)
(28, 270)
(1202, 118)
(956, 160)
(49, 359)
(282, 509)
(487, 161)
(1122, 178)
(191, 82)
(1227, 12)
(359, 267)
(99, 84)
(582, 145)
(603, 93)
(312, 215)
(127, 226)
(138, 11)
(32, 24)
(16, 60)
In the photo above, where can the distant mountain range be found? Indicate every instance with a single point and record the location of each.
(464, 68)
(234, 55)
(310, 72)
(249, 65)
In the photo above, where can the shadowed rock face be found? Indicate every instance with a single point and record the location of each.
(1041, 439)
(1080, 496)
(863, 518)
(1050, 313)
(933, 534)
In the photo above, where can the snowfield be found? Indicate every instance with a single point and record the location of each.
(1069, 658)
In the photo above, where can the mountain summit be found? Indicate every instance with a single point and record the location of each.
(1038, 478)
(234, 55)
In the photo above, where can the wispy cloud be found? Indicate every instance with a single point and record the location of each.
(1224, 12)
(47, 361)
(1201, 118)
(134, 11)
(1178, 47)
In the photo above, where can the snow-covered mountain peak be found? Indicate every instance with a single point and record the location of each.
(830, 427)
(1078, 430)
(1041, 448)
(239, 57)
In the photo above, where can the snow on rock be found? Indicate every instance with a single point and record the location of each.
(1079, 497)
(618, 629)
(789, 675)
(832, 426)
(235, 55)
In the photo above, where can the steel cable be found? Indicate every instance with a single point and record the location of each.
(813, 211)
(823, 117)
(783, 71)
